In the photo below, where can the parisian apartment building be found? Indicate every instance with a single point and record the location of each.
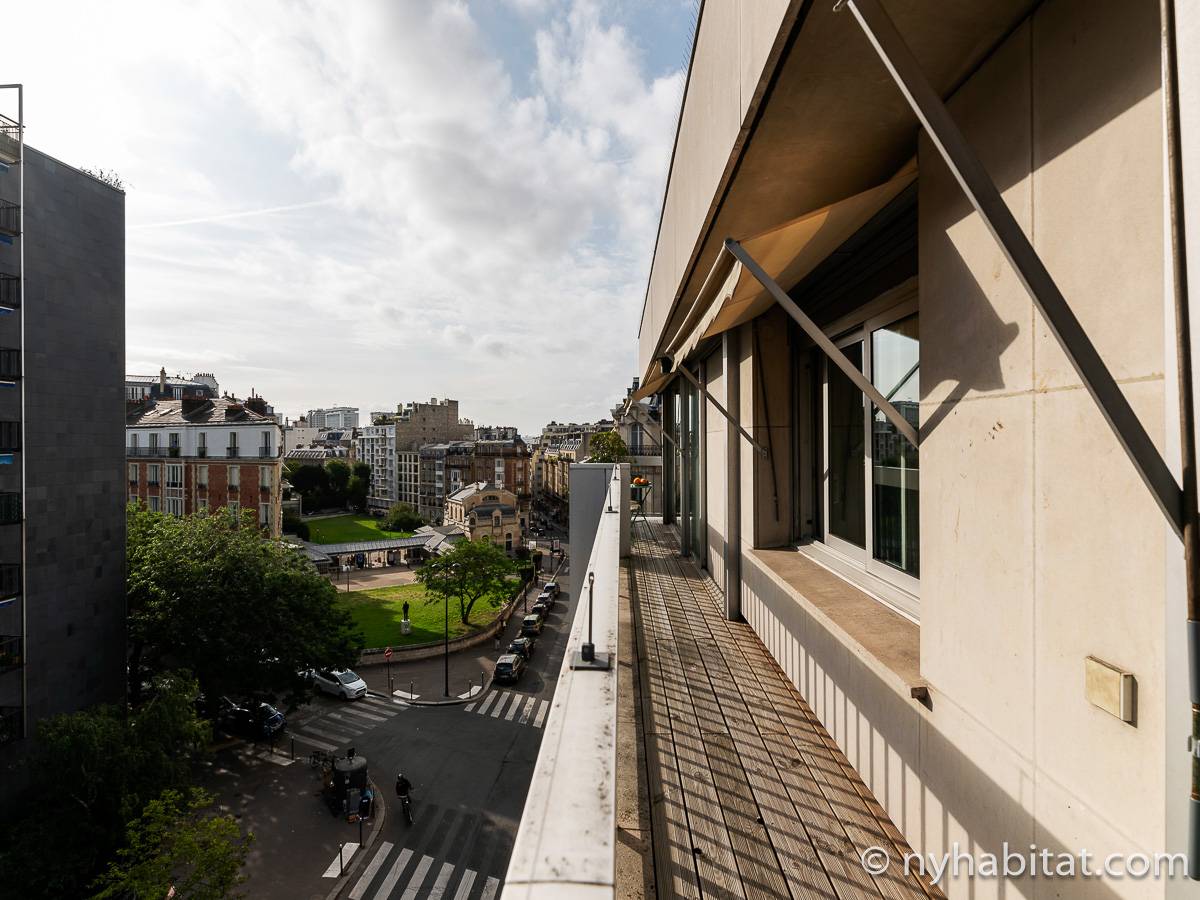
(640, 426)
(202, 453)
(560, 445)
(443, 469)
(391, 446)
(883, 447)
(62, 518)
(166, 387)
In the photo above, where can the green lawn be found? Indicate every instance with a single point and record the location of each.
(344, 529)
(378, 612)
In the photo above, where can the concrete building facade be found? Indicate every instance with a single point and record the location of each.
(938, 604)
(62, 541)
(336, 417)
(442, 470)
(190, 455)
(393, 442)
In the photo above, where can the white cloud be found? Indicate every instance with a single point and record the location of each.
(430, 228)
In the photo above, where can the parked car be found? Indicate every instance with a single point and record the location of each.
(531, 625)
(338, 682)
(253, 719)
(546, 596)
(522, 646)
(541, 608)
(509, 668)
(552, 587)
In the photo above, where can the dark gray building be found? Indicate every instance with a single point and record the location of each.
(62, 432)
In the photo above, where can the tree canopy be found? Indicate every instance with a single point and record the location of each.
(243, 612)
(90, 773)
(174, 844)
(402, 517)
(470, 572)
(330, 485)
(607, 447)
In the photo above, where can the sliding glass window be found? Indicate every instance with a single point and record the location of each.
(871, 475)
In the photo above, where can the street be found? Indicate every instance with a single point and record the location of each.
(470, 766)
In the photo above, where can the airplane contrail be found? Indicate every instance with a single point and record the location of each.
(220, 217)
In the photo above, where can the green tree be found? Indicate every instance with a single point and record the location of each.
(356, 493)
(363, 471)
(470, 572)
(90, 773)
(339, 477)
(309, 480)
(607, 447)
(402, 517)
(243, 612)
(173, 844)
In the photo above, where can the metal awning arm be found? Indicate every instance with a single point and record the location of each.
(973, 178)
(836, 356)
(762, 451)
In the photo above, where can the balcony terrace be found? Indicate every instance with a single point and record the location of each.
(717, 780)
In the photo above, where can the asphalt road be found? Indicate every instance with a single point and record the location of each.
(470, 766)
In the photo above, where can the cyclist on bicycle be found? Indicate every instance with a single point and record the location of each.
(403, 786)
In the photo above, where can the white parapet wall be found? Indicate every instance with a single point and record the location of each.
(566, 843)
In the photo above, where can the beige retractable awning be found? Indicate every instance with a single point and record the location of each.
(788, 252)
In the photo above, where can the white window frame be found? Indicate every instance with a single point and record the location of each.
(177, 468)
(202, 476)
(174, 506)
(886, 583)
(235, 477)
(266, 477)
(153, 475)
(264, 514)
(154, 503)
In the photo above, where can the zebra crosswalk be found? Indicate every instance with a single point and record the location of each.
(331, 728)
(512, 707)
(421, 871)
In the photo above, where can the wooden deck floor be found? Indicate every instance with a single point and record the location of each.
(750, 796)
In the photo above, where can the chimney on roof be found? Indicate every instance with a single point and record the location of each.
(194, 403)
(162, 382)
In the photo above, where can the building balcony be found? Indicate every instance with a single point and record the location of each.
(11, 724)
(231, 452)
(146, 452)
(10, 508)
(702, 769)
(202, 452)
(10, 365)
(10, 291)
(12, 655)
(10, 437)
(265, 453)
(10, 218)
(10, 580)
(10, 141)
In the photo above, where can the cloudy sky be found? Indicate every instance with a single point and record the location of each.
(368, 203)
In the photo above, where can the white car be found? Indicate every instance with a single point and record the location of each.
(339, 682)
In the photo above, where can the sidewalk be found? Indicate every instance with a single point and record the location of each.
(365, 579)
(296, 837)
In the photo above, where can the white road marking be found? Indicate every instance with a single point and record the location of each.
(335, 867)
(489, 889)
(405, 695)
(469, 707)
(443, 879)
(418, 878)
(512, 710)
(543, 708)
(360, 888)
(393, 875)
(464, 886)
(468, 880)
(491, 698)
(504, 698)
(320, 745)
(475, 689)
(360, 715)
(330, 735)
(528, 710)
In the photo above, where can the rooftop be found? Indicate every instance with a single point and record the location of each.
(215, 411)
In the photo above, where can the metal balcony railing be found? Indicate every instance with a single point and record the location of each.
(202, 452)
(10, 140)
(645, 448)
(10, 218)
(10, 580)
(11, 655)
(231, 452)
(10, 291)
(265, 453)
(10, 724)
(146, 452)
(10, 364)
(10, 437)
(10, 508)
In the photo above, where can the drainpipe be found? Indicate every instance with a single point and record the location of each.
(1187, 412)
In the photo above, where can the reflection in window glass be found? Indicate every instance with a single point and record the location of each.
(895, 370)
(847, 491)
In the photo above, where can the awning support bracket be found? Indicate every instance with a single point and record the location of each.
(973, 178)
(813, 330)
(759, 448)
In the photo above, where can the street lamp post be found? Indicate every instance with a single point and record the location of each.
(446, 646)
